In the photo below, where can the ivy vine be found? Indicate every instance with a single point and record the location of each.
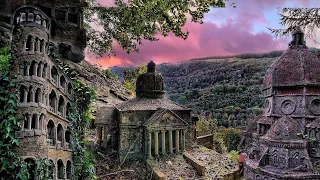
(12, 166)
(81, 116)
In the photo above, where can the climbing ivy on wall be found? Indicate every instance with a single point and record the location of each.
(81, 117)
(11, 165)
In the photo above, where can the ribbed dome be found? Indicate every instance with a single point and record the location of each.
(150, 84)
(296, 66)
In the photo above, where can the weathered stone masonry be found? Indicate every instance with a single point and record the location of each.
(41, 30)
(292, 106)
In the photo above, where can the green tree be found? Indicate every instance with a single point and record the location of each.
(110, 74)
(131, 76)
(305, 18)
(130, 22)
(231, 138)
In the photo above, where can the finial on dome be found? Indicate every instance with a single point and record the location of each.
(297, 39)
(151, 67)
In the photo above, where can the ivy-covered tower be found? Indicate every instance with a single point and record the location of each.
(42, 32)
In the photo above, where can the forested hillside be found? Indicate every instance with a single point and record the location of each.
(228, 87)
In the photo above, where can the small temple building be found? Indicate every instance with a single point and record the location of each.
(147, 126)
(284, 143)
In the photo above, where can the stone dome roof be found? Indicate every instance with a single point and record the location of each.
(285, 128)
(296, 66)
(150, 84)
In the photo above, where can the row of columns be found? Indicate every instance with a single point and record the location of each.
(59, 137)
(36, 45)
(32, 93)
(179, 140)
(38, 69)
(38, 122)
(33, 17)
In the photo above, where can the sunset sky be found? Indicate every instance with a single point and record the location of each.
(226, 31)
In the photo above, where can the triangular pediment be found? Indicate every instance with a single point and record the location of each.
(165, 118)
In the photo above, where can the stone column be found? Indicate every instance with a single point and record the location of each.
(177, 140)
(25, 95)
(24, 45)
(163, 142)
(149, 145)
(41, 70)
(22, 124)
(28, 69)
(29, 121)
(38, 45)
(32, 44)
(32, 95)
(183, 138)
(37, 121)
(35, 67)
(156, 143)
(170, 142)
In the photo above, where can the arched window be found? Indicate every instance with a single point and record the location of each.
(32, 69)
(26, 121)
(38, 95)
(29, 97)
(68, 110)
(296, 159)
(50, 135)
(30, 16)
(41, 120)
(63, 82)
(67, 137)
(38, 19)
(61, 105)
(60, 133)
(68, 169)
(31, 166)
(25, 69)
(40, 65)
(52, 170)
(28, 43)
(60, 169)
(53, 100)
(54, 74)
(22, 93)
(23, 17)
(44, 72)
(33, 121)
(69, 88)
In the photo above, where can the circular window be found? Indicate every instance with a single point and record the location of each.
(288, 107)
(315, 107)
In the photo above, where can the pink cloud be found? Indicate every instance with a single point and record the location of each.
(233, 36)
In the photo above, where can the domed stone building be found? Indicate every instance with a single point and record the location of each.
(285, 144)
(147, 126)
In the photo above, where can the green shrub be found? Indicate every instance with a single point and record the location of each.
(231, 138)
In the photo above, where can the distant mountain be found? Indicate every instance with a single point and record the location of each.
(119, 71)
(227, 87)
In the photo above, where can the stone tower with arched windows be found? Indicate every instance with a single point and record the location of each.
(285, 142)
(42, 30)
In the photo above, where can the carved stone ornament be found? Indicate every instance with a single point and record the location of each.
(288, 107)
(315, 107)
